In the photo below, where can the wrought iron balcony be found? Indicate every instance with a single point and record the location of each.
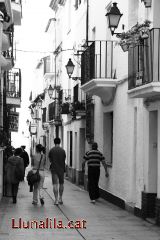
(144, 67)
(77, 108)
(65, 101)
(65, 108)
(13, 87)
(9, 57)
(7, 40)
(98, 70)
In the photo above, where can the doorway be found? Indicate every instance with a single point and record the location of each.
(152, 166)
(150, 194)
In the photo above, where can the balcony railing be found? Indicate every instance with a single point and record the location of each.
(144, 61)
(64, 100)
(9, 56)
(98, 61)
(10, 33)
(13, 83)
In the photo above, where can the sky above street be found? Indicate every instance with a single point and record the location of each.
(31, 44)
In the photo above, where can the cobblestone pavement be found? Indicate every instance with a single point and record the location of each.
(102, 220)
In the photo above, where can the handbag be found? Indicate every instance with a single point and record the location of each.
(32, 177)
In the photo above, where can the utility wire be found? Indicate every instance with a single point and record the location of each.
(31, 51)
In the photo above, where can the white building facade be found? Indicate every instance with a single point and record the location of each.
(121, 95)
(10, 81)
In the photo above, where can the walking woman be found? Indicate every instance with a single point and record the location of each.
(38, 161)
(14, 172)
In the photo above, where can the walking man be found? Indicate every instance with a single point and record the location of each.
(94, 158)
(57, 158)
(25, 157)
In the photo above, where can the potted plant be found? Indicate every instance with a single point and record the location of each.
(65, 108)
(79, 108)
(134, 36)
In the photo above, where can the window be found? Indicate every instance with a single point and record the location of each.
(75, 93)
(108, 137)
(70, 150)
(46, 64)
(52, 111)
(43, 115)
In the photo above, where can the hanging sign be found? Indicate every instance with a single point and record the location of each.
(13, 121)
(33, 129)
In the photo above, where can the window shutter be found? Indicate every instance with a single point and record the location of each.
(131, 83)
(51, 111)
(44, 115)
(76, 93)
(60, 96)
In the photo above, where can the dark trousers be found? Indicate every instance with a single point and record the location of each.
(15, 189)
(93, 180)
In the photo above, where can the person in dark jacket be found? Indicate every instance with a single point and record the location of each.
(25, 157)
(13, 164)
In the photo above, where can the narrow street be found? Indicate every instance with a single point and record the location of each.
(94, 222)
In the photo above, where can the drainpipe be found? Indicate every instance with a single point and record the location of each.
(1, 78)
(87, 21)
(55, 70)
(1, 106)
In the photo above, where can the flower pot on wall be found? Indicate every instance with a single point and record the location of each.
(139, 78)
(124, 47)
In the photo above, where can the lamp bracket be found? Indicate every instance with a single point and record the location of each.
(76, 78)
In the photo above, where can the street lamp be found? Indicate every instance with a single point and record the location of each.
(39, 103)
(70, 67)
(50, 91)
(113, 16)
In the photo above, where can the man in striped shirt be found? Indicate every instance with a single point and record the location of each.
(94, 158)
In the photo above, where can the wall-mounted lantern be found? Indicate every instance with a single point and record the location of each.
(113, 17)
(33, 129)
(50, 91)
(70, 67)
(39, 103)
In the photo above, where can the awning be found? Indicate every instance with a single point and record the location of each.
(5, 42)
(5, 64)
